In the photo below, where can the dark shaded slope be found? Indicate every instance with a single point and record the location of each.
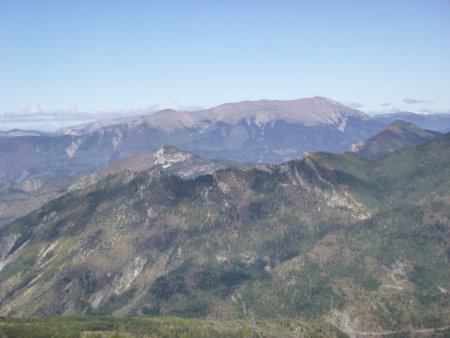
(396, 136)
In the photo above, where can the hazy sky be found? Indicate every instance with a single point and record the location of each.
(109, 55)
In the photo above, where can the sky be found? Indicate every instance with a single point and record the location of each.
(78, 59)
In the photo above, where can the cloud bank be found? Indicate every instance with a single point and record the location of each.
(35, 117)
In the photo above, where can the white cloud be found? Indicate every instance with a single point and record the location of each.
(34, 109)
(34, 117)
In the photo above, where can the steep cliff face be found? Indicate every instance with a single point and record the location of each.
(337, 237)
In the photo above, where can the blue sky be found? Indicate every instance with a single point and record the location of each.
(92, 55)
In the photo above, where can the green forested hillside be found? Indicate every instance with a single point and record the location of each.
(363, 245)
(167, 327)
(397, 135)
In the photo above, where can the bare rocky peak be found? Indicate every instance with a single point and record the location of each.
(309, 111)
(168, 158)
(164, 156)
(167, 120)
(170, 120)
(90, 127)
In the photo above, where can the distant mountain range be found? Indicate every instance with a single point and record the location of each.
(361, 244)
(259, 131)
(21, 197)
(432, 121)
(20, 132)
(265, 131)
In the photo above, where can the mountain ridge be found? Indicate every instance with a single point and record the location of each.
(169, 158)
(397, 135)
(336, 237)
(433, 121)
(282, 131)
(292, 110)
(21, 197)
